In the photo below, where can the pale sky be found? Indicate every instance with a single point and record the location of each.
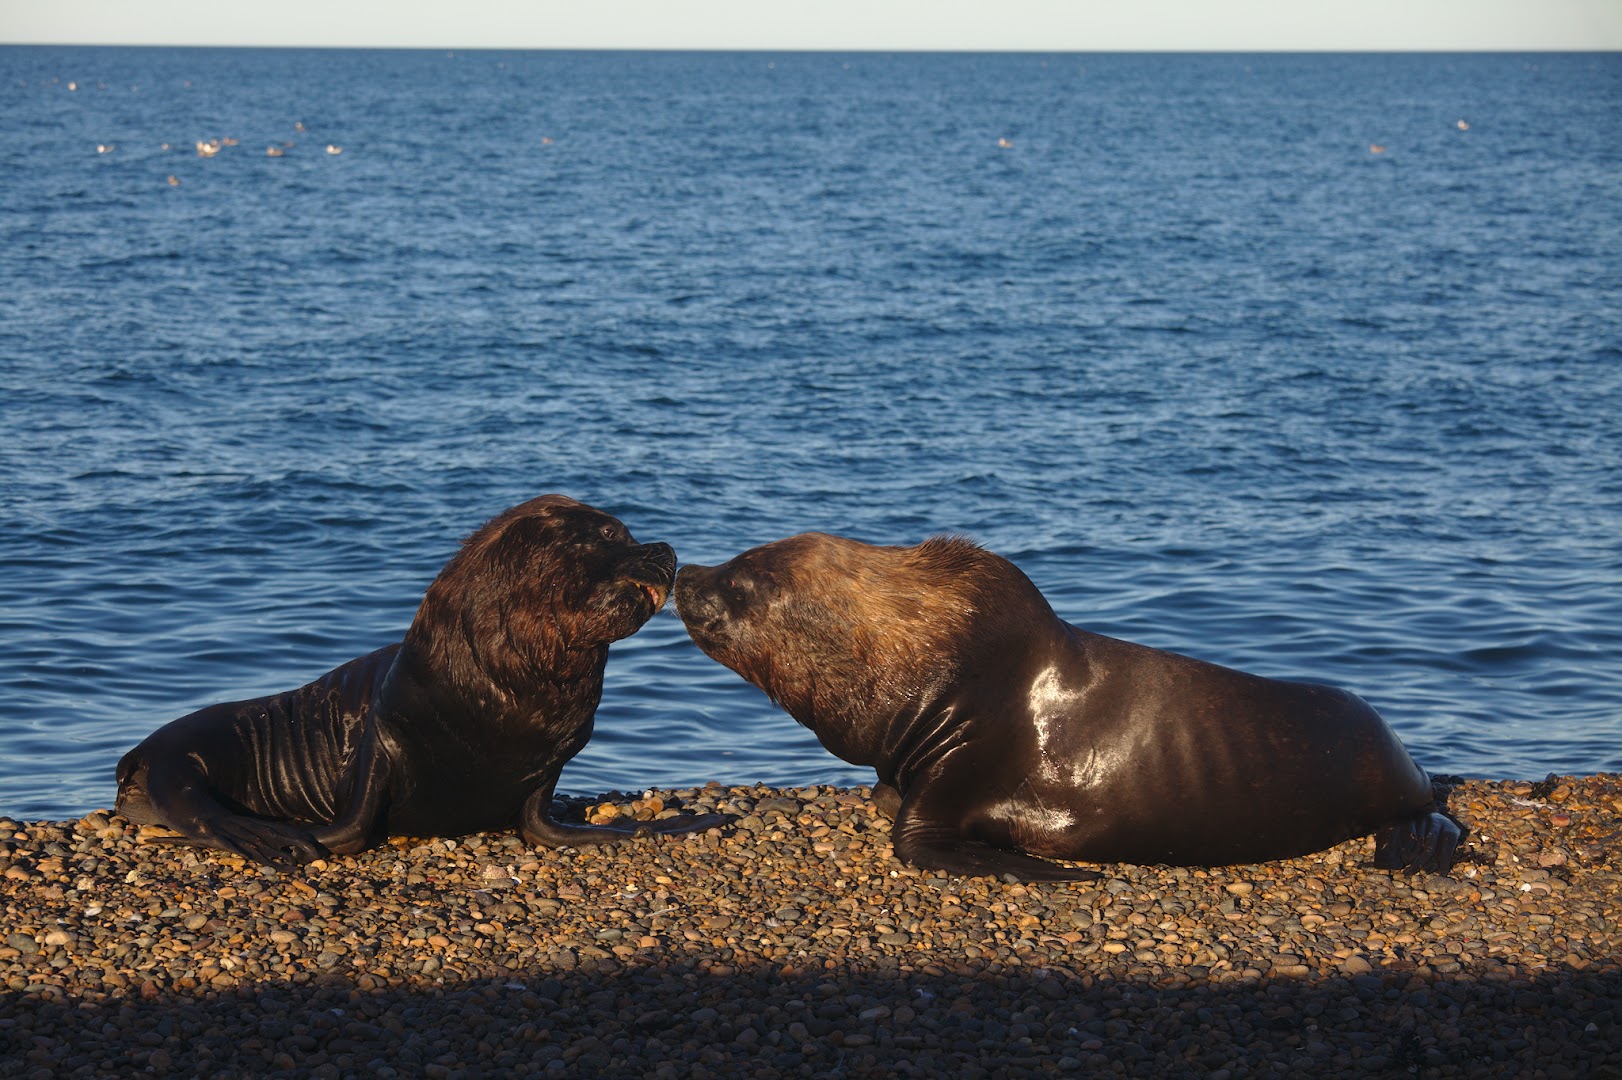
(993, 25)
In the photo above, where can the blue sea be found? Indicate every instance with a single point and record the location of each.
(1305, 364)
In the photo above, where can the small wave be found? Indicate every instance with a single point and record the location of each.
(1212, 389)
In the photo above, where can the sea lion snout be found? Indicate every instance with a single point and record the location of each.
(651, 569)
(662, 556)
(697, 601)
(653, 564)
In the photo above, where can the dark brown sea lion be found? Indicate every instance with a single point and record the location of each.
(462, 727)
(1002, 734)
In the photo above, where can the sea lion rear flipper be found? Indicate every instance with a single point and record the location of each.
(171, 790)
(1424, 843)
(274, 843)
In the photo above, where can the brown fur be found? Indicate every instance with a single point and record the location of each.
(462, 727)
(859, 622)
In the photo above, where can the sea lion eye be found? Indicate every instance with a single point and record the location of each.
(612, 532)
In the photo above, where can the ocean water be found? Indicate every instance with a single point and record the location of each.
(1166, 331)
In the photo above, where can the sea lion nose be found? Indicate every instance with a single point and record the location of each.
(662, 556)
(693, 600)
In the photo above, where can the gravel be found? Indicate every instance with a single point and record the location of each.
(793, 944)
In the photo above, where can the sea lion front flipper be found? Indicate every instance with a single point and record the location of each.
(887, 800)
(537, 826)
(929, 846)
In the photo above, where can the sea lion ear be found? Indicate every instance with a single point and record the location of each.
(540, 510)
(548, 505)
(523, 540)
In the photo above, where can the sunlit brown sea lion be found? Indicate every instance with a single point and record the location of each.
(1002, 735)
(462, 727)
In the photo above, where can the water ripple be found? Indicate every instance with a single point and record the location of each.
(1217, 378)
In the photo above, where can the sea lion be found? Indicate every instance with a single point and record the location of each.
(1003, 736)
(461, 727)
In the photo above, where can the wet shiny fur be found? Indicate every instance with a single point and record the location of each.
(1003, 736)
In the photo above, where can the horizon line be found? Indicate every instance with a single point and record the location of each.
(1460, 50)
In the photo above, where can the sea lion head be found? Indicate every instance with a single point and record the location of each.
(546, 578)
(840, 633)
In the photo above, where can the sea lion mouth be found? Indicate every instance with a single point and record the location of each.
(651, 572)
(656, 594)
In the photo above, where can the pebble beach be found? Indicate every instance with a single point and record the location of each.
(792, 943)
